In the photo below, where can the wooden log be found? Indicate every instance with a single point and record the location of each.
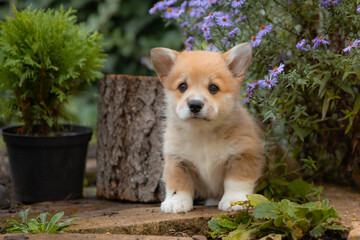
(130, 126)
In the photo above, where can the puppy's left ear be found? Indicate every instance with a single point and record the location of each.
(163, 60)
(238, 60)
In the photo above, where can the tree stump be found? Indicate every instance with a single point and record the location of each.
(130, 126)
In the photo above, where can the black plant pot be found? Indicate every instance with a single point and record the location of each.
(47, 168)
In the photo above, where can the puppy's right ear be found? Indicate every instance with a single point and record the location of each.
(162, 60)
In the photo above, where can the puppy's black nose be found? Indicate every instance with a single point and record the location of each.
(195, 105)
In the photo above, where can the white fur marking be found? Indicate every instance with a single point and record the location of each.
(177, 202)
(183, 112)
(235, 191)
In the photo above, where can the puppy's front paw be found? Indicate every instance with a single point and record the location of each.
(173, 206)
(225, 203)
(179, 202)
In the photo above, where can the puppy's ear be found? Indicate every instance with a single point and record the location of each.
(238, 60)
(162, 60)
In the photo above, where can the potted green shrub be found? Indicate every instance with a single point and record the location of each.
(45, 58)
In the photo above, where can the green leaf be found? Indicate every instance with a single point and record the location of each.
(323, 83)
(317, 231)
(346, 74)
(279, 221)
(301, 132)
(51, 225)
(311, 205)
(300, 188)
(33, 227)
(325, 203)
(226, 223)
(325, 106)
(238, 235)
(272, 236)
(288, 208)
(224, 216)
(335, 227)
(43, 218)
(356, 107)
(303, 223)
(216, 227)
(256, 199)
(24, 215)
(266, 210)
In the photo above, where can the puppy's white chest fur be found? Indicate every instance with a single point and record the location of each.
(207, 152)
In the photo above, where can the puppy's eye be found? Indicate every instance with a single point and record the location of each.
(182, 87)
(213, 89)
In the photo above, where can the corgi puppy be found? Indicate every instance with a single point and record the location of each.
(211, 144)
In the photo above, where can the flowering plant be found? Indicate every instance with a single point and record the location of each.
(305, 75)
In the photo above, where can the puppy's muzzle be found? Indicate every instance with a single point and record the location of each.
(195, 106)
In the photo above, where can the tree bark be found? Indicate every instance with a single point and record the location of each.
(130, 126)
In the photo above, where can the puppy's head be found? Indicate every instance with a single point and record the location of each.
(201, 85)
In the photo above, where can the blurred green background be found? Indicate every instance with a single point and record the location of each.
(129, 33)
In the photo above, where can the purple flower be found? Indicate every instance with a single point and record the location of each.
(351, 45)
(226, 41)
(242, 19)
(261, 83)
(157, 7)
(170, 2)
(200, 3)
(251, 86)
(301, 44)
(206, 32)
(223, 20)
(316, 41)
(208, 19)
(327, 3)
(184, 24)
(248, 96)
(268, 82)
(194, 27)
(211, 47)
(154, 9)
(233, 32)
(196, 12)
(255, 41)
(237, 3)
(183, 6)
(264, 30)
(209, 3)
(170, 13)
(358, 9)
(189, 43)
(277, 70)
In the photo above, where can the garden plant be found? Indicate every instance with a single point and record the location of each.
(45, 58)
(39, 224)
(264, 219)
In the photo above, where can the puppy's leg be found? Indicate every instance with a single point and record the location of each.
(241, 175)
(179, 187)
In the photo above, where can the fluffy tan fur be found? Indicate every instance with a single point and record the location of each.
(219, 151)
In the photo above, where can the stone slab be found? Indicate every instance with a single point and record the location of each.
(147, 221)
(354, 233)
(75, 236)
